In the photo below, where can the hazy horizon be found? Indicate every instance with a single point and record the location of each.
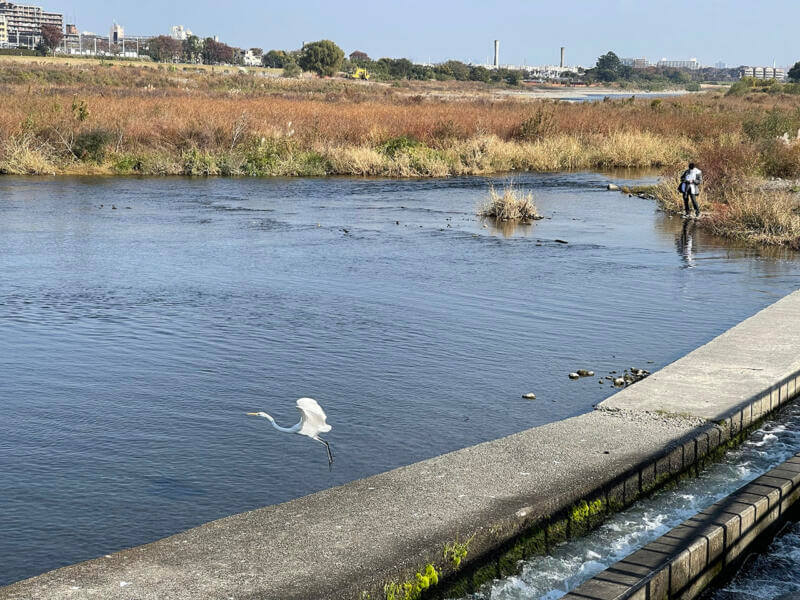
(529, 32)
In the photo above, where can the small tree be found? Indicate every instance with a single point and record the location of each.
(274, 59)
(608, 68)
(191, 48)
(794, 72)
(163, 49)
(291, 68)
(323, 57)
(215, 52)
(52, 36)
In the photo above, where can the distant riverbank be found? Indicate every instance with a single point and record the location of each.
(87, 119)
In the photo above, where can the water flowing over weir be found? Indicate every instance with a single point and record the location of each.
(768, 575)
(552, 576)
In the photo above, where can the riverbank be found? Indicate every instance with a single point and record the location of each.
(81, 118)
(471, 515)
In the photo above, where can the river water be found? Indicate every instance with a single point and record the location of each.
(771, 575)
(133, 339)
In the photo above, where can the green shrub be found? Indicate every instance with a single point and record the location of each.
(399, 145)
(780, 160)
(774, 123)
(537, 126)
(91, 146)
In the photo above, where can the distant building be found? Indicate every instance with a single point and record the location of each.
(24, 22)
(359, 55)
(3, 32)
(179, 32)
(692, 64)
(546, 72)
(116, 34)
(721, 65)
(251, 59)
(763, 73)
(636, 63)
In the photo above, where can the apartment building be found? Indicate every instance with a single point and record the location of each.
(24, 22)
(3, 31)
(763, 73)
(692, 64)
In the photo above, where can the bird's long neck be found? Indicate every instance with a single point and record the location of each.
(292, 429)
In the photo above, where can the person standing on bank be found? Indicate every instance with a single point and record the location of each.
(691, 180)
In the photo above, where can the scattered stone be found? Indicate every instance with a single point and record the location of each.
(585, 373)
(600, 381)
(612, 187)
(113, 207)
(619, 382)
(529, 396)
(574, 376)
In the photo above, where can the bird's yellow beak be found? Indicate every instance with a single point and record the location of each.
(252, 414)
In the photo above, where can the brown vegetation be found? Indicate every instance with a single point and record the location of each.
(510, 204)
(80, 117)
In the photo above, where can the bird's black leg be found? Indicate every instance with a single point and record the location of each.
(330, 453)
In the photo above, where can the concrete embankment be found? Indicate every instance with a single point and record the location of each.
(683, 562)
(473, 514)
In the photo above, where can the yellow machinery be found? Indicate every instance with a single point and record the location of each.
(359, 74)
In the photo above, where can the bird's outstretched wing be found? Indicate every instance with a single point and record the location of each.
(313, 418)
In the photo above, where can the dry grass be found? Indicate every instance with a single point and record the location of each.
(185, 120)
(757, 216)
(510, 204)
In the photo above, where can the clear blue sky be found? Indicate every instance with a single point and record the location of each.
(735, 31)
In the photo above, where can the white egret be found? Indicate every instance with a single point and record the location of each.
(312, 423)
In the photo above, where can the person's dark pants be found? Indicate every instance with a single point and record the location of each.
(686, 197)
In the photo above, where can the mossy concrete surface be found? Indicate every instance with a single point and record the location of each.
(510, 497)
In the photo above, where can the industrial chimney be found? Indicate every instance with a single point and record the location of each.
(562, 57)
(497, 53)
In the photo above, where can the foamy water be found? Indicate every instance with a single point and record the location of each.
(572, 563)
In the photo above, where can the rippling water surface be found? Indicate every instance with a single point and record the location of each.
(772, 575)
(133, 340)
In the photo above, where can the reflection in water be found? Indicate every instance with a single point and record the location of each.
(509, 228)
(686, 244)
(690, 235)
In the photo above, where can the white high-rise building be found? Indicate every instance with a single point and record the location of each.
(179, 32)
(116, 34)
(3, 31)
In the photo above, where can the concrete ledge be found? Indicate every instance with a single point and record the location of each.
(683, 562)
(490, 505)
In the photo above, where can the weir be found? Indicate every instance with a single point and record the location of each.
(450, 523)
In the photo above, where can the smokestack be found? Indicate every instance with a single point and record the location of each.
(562, 57)
(497, 53)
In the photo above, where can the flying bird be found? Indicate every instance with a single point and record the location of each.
(312, 423)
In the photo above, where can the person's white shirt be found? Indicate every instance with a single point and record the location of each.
(693, 177)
